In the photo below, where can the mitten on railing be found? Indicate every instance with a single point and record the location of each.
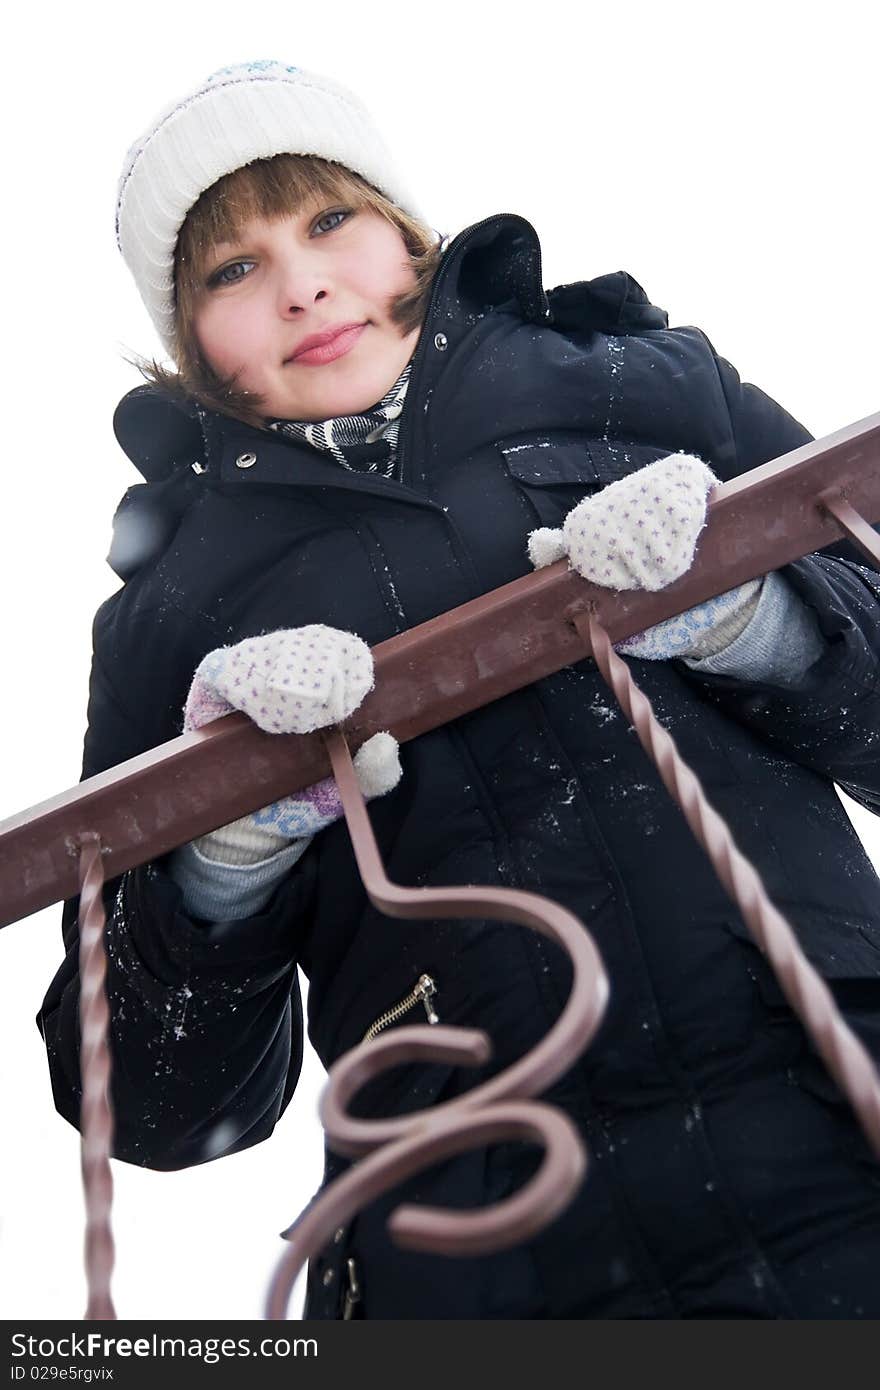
(292, 681)
(641, 533)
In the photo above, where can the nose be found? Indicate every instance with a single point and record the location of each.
(301, 283)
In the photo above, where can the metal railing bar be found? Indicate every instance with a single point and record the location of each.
(444, 668)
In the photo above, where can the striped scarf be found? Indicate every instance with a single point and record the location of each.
(361, 443)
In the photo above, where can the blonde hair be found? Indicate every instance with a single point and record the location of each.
(275, 187)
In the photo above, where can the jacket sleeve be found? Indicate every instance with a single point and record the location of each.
(206, 1018)
(829, 720)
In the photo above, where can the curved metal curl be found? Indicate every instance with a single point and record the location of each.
(496, 1227)
(409, 1143)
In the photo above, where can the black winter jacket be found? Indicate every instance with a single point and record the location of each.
(725, 1172)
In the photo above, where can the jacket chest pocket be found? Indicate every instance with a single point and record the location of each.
(844, 950)
(553, 475)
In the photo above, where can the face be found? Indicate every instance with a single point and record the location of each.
(325, 273)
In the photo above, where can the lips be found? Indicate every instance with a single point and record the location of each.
(323, 347)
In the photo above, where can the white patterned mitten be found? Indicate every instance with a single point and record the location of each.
(293, 681)
(641, 533)
(288, 682)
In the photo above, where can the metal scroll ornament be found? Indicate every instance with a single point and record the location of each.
(499, 1109)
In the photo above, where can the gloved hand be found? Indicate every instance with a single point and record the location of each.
(288, 682)
(641, 533)
(292, 681)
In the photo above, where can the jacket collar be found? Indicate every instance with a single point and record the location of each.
(495, 262)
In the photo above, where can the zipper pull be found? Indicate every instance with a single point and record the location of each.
(352, 1290)
(425, 989)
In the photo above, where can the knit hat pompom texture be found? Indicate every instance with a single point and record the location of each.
(241, 113)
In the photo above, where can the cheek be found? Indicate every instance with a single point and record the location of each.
(390, 271)
(230, 341)
(390, 279)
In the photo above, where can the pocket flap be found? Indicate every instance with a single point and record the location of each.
(841, 947)
(589, 462)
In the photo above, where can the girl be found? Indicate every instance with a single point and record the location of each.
(366, 428)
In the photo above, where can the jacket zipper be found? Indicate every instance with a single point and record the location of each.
(421, 346)
(352, 1290)
(424, 990)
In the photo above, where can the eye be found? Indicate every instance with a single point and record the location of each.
(321, 223)
(229, 274)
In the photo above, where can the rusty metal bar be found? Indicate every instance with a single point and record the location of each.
(435, 672)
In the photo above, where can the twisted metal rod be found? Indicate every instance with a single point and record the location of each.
(844, 1055)
(97, 1116)
(495, 1110)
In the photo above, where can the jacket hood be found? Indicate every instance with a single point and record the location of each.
(492, 263)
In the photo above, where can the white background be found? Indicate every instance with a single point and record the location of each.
(724, 155)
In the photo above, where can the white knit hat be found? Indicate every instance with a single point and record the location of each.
(241, 113)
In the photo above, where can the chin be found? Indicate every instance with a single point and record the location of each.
(333, 399)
